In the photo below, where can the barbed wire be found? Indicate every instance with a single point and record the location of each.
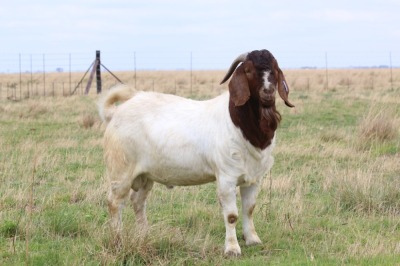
(32, 75)
(198, 60)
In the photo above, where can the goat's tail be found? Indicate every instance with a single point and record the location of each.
(109, 102)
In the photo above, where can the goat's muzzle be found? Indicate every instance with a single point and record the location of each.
(267, 98)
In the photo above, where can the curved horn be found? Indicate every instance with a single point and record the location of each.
(240, 59)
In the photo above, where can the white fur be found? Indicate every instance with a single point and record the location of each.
(267, 84)
(162, 138)
(122, 92)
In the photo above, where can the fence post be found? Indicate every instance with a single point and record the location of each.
(20, 79)
(70, 84)
(31, 74)
(44, 76)
(175, 87)
(134, 68)
(391, 71)
(326, 70)
(372, 80)
(98, 72)
(191, 72)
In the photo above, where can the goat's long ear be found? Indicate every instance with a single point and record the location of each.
(239, 87)
(283, 88)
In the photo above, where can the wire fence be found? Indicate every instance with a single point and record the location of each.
(25, 76)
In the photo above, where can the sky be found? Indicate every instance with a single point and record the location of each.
(199, 34)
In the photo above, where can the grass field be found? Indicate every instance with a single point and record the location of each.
(332, 198)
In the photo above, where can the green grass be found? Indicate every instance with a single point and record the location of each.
(333, 196)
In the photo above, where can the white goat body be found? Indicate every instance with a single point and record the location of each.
(180, 142)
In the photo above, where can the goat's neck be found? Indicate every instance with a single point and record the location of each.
(257, 123)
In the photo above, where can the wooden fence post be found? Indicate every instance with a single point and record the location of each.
(98, 72)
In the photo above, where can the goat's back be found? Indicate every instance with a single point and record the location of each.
(173, 139)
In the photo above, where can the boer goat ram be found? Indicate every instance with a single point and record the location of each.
(154, 137)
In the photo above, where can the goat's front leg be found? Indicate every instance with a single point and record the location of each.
(249, 195)
(227, 199)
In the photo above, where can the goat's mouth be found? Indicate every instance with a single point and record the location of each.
(267, 99)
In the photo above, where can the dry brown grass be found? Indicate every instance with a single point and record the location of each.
(87, 120)
(351, 79)
(379, 124)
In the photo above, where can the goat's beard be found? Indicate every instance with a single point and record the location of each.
(268, 103)
(271, 116)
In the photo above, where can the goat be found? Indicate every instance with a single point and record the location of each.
(154, 137)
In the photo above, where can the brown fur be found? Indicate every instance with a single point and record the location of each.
(258, 124)
(232, 218)
(251, 210)
(254, 114)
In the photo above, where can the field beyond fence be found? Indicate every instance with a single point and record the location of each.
(187, 83)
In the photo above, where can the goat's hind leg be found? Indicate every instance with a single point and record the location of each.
(116, 199)
(140, 190)
(120, 186)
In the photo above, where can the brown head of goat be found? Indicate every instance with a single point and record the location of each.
(252, 92)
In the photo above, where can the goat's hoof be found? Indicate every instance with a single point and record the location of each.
(253, 240)
(232, 251)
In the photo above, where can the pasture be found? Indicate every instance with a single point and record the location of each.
(332, 197)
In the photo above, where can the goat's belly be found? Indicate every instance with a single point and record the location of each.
(177, 168)
(172, 176)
